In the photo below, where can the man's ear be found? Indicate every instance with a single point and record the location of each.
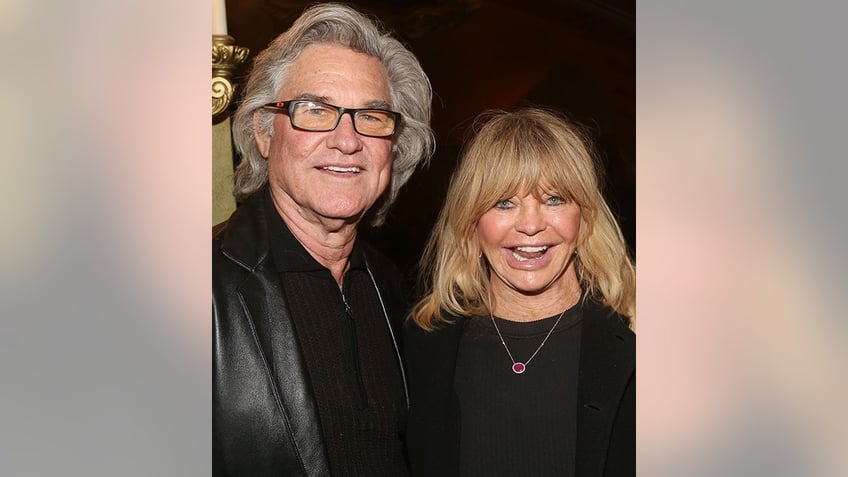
(263, 138)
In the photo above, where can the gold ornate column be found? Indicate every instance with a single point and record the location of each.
(226, 56)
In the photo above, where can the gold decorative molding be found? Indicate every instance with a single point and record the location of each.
(226, 56)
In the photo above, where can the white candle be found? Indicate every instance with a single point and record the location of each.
(219, 17)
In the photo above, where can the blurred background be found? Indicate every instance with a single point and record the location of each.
(577, 57)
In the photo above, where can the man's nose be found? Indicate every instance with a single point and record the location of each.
(344, 137)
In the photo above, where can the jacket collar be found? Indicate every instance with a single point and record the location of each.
(244, 236)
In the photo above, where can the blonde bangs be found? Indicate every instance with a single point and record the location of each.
(512, 151)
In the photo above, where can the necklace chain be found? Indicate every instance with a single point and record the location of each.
(517, 366)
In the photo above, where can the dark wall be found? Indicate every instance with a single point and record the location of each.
(576, 57)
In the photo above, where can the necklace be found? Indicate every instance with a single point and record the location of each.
(517, 366)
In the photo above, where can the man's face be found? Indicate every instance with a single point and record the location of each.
(337, 174)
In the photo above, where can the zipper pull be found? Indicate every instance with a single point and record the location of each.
(346, 305)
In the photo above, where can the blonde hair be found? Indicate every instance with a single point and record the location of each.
(526, 150)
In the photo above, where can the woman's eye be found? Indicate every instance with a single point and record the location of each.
(556, 200)
(504, 204)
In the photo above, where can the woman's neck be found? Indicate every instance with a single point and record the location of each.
(512, 305)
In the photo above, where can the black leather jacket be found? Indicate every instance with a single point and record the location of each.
(264, 419)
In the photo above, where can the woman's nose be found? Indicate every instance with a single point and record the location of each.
(530, 220)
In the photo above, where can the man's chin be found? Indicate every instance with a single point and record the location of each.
(347, 215)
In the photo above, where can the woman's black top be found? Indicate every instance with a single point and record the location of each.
(518, 424)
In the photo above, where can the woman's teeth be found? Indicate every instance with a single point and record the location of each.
(522, 254)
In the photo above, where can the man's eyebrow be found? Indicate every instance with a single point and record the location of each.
(378, 104)
(312, 97)
(375, 103)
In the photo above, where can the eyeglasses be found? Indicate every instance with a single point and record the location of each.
(322, 117)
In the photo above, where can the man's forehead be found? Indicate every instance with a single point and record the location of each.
(337, 75)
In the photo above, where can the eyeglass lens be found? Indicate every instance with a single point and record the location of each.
(322, 117)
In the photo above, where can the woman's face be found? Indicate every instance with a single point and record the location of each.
(529, 244)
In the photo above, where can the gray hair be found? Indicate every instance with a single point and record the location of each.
(341, 25)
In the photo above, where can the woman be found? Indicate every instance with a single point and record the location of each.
(520, 354)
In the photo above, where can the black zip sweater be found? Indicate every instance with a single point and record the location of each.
(347, 350)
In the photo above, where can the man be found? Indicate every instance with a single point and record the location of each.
(307, 377)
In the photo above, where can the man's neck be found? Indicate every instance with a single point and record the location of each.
(328, 241)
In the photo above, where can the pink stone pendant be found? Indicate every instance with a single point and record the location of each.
(518, 368)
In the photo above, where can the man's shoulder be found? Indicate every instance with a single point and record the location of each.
(384, 268)
(376, 258)
(218, 230)
(392, 284)
(239, 244)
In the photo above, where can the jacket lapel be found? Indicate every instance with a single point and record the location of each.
(262, 298)
(434, 435)
(607, 361)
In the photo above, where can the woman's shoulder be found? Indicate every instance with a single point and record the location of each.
(449, 325)
(444, 323)
(604, 318)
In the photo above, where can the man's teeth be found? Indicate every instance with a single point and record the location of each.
(341, 169)
(522, 254)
